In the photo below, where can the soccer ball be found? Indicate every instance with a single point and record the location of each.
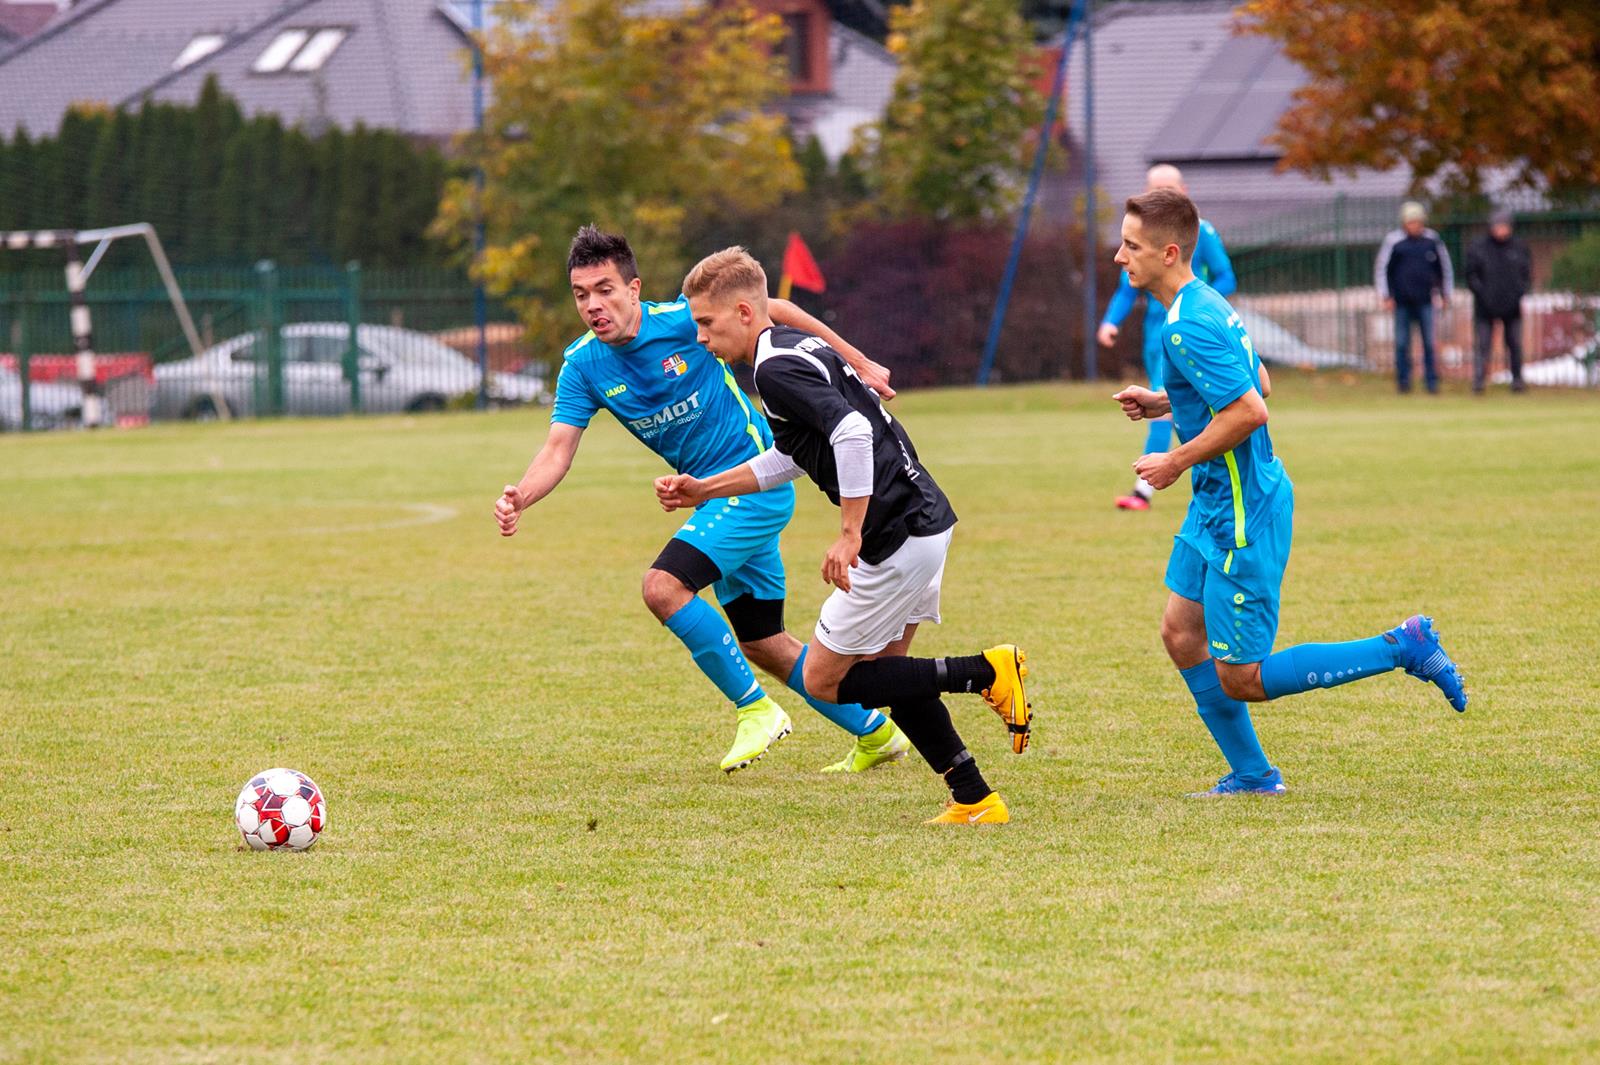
(280, 809)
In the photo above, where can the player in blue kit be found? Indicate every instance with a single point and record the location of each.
(1229, 556)
(643, 363)
(1211, 265)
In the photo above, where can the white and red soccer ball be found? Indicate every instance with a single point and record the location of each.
(280, 809)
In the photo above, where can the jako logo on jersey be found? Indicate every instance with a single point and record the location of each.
(1219, 645)
(616, 390)
(666, 414)
(674, 366)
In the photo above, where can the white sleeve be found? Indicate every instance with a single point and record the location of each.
(772, 468)
(852, 454)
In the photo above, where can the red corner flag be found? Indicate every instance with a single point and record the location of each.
(800, 269)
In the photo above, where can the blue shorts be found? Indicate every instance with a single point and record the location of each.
(740, 534)
(1239, 588)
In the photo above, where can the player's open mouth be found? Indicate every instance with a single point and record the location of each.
(599, 324)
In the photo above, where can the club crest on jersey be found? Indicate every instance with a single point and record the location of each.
(674, 366)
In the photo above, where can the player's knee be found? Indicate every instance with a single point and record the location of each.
(819, 685)
(1180, 640)
(663, 593)
(1242, 682)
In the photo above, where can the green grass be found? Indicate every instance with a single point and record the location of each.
(532, 855)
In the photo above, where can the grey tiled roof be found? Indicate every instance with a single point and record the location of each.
(402, 65)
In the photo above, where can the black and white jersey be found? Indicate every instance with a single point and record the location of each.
(808, 391)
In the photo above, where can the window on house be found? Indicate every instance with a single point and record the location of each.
(280, 51)
(317, 50)
(797, 45)
(202, 45)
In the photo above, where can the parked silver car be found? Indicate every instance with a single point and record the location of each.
(54, 404)
(400, 370)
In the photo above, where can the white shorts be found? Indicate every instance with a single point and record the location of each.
(885, 597)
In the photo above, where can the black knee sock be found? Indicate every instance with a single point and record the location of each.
(906, 681)
(928, 726)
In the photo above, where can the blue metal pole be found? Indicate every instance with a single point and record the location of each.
(999, 318)
(1091, 220)
(480, 301)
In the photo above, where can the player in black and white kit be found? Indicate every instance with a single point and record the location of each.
(896, 524)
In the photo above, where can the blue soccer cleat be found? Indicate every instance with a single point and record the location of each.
(1424, 659)
(1232, 785)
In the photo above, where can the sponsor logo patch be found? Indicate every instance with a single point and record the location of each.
(674, 366)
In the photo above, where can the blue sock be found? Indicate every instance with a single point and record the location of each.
(1159, 437)
(1229, 722)
(852, 717)
(708, 638)
(1326, 665)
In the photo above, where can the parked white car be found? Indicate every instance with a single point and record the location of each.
(1278, 347)
(54, 404)
(401, 370)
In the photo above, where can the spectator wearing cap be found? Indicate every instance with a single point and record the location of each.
(1499, 273)
(1411, 273)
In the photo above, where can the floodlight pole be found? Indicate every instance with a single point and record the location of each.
(1091, 297)
(480, 303)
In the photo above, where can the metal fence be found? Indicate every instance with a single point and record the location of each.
(1307, 291)
(301, 341)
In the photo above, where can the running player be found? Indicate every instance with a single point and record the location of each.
(1211, 265)
(1229, 556)
(888, 561)
(641, 361)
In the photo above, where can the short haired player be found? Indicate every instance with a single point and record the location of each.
(895, 529)
(641, 361)
(1229, 556)
(1211, 265)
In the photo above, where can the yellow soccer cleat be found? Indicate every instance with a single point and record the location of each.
(989, 810)
(884, 745)
(761, 724)
(1006, 696)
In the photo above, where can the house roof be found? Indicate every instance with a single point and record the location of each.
(400, 64)
(20, 21)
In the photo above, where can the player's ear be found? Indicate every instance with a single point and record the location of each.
(635, 286)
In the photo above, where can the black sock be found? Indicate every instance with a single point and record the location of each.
(967, 785)
(965, 673)
(890, 682)
(906, 681)
(927, 725)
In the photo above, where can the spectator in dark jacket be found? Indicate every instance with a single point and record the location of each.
(1499, 273)
(1413, 269)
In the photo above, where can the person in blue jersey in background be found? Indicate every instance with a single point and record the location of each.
(1228, 559)
(1211, 265)
(643, 363)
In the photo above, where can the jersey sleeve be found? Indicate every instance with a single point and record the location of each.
(575, 403)
(1214, 258)
(797, 388)
(1215, 365)
(1121, 302)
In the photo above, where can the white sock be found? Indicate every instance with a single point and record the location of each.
(1142, 489)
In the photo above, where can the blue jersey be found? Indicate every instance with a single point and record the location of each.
(1211, 265)
(1210, 362)
(676, 397)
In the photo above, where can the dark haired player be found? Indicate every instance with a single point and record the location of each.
(1227, 563)
(641, 361)
(896, 524)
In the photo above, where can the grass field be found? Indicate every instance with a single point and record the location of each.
(532, 855)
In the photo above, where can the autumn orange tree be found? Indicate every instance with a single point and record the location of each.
(610, 111)
(1452, 88)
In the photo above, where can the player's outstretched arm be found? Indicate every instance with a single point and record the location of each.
(874, 375)
(1229, 428)
(549, 466)
(1139, 403)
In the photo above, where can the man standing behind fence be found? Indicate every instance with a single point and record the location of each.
(1499, 273)
(1413, 268)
